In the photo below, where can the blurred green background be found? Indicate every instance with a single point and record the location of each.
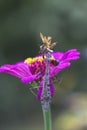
(21, 22)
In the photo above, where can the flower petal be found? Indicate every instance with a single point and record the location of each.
(64, 60)
(20, 70)
(29, 78)
(71, 54)
(57, 55)
(56, 69)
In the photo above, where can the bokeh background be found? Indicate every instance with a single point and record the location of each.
(21, 22)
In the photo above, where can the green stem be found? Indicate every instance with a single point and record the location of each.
(47, 119)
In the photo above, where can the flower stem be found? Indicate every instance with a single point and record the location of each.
(47, 119)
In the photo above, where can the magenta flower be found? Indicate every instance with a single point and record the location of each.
(33, 69)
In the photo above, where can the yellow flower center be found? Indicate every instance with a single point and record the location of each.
(39, 58)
